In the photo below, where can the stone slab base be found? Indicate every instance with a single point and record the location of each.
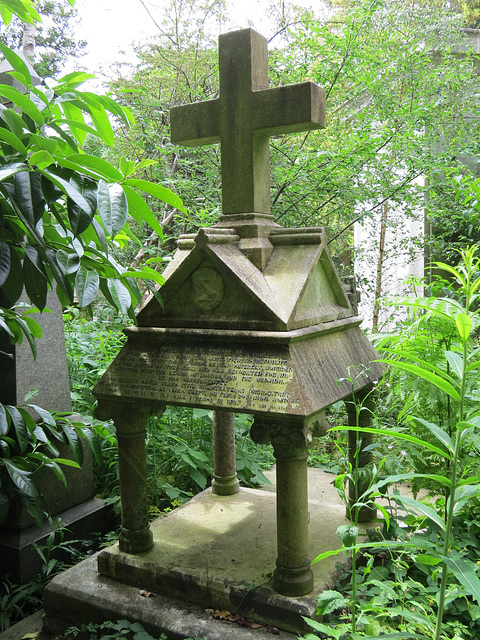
(215, 552)
(18, 558)
(81, 595)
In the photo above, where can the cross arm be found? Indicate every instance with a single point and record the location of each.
(195, 124)
(288, 109)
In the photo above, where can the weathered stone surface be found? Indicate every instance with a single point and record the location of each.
(277, 373)
(254, 317)
(243, 117)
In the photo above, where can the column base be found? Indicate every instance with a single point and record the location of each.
(296, 581)
(363, 514)
(225, 485)
(135, 540)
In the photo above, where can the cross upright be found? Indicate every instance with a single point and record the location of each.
(244, 116)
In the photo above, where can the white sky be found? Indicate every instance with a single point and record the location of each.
(112, 25)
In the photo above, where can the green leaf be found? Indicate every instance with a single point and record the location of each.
(5, 261)
(74, 442)
(80, 216)
(158, 191)
(395, 434)
(23, 102)
(424, 509)
(3, 421)
(348, 534)
(8, 170)
(45, 415)
(464, 572)
(21, 478)
(69, 189)
(11, 139)
(140, 211)
(28, 196)
(440, 434)
(42, 159)
(69, 262)
(93, 166)
(17, 63)
(102, 125)
(433, 378)
(464, 325)
(21, 430)
(329, 601)
(86, 285)
(35, 278)
(112, 206)
(328, 630)
(120, 295)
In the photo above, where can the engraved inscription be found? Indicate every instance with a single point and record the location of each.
(233, 378)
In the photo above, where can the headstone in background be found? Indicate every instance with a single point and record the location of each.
(75, 504)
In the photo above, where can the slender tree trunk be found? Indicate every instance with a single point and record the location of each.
(28, 44)
(381, 256)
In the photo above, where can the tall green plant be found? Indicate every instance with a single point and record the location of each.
(462, 314)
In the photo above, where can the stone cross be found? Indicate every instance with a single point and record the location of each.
(244, 116)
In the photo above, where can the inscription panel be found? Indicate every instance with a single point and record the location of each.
(239, 378)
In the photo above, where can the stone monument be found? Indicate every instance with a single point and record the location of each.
(75, 504)
(254, 320)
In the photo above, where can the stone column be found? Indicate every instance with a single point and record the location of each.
(130, 420)
(293, 575)
(225, 481)
(359, 411)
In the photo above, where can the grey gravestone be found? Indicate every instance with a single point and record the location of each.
(74, 504)
(254, 319)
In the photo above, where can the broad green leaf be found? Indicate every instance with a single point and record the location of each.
(433, 378)
(3, 421)
(68, 463)
(23, 102)
(156, 190)
(440, 434)
(42, 159)
(120, 295)
(69, 262)
(102, 125)
(35, 278)
(33, 326)
(5, 261)
(29, 196)
(17, 63)
(145, 273)
(328, 630)
(19, 425)
(8, 170)
(455, 361)
(14, 122)
(464, 571)
(26, 11)
(127, 167)
(21, 478)
(11, 139)
(329, 601)
(112, 206)
(86, 285)
(45, 415)
(69, 189)
(404, 477)
(395, 434)
(424, 509)
(464, 325)
(427, 559)
(76, 78)
(54, 466)
(96, 167)
(79, 216)
(140, 211)
(74, 442)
